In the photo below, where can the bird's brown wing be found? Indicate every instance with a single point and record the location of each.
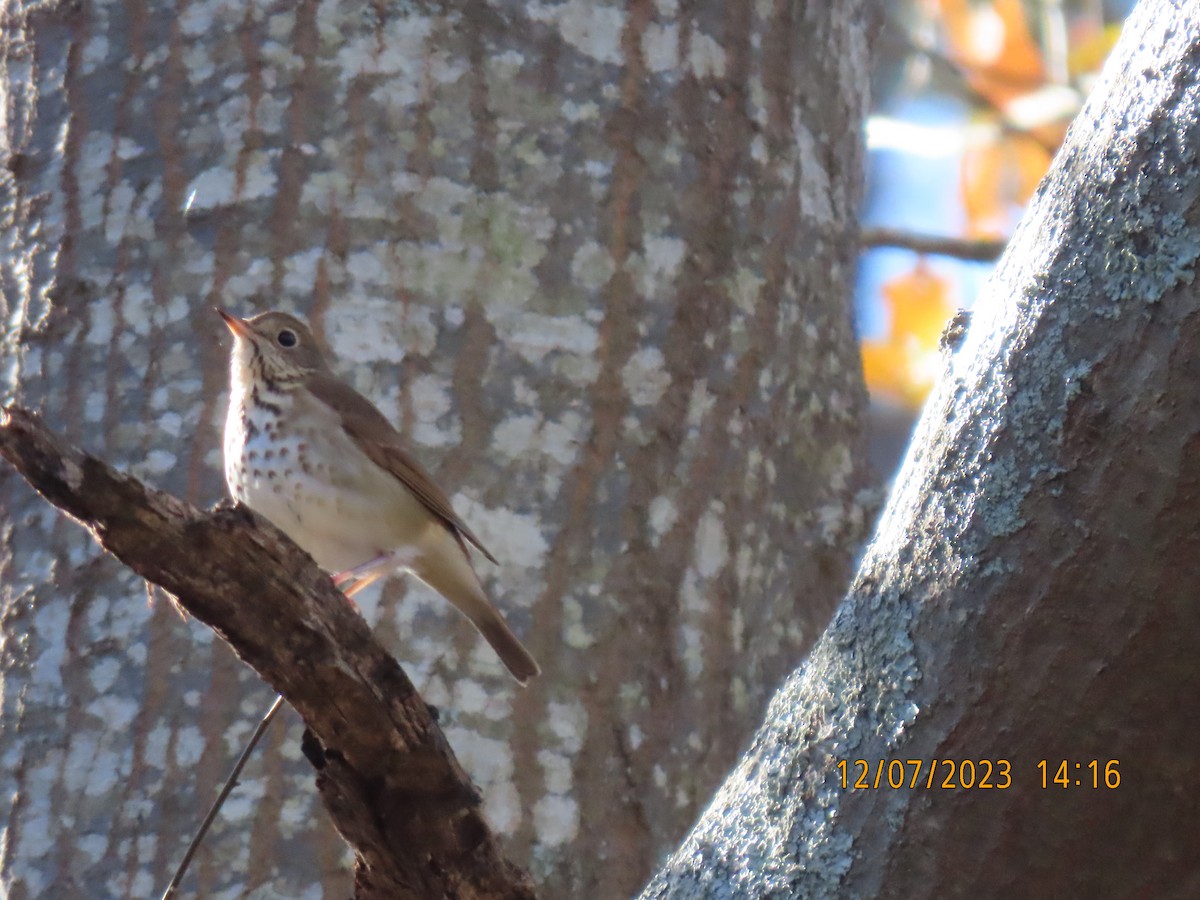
(383, 444)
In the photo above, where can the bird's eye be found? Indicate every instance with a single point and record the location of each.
(286, 338)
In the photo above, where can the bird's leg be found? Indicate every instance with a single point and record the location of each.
(365, 581)
(368, 573)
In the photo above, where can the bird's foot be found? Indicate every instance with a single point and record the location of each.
(368, 573)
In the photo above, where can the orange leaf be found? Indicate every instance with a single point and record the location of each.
(885, 368)
(905, 363)
(998, 178)
(993, 44)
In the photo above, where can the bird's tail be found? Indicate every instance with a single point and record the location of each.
(508, 647)
(449, 573)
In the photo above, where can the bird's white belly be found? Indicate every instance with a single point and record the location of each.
(313, 482)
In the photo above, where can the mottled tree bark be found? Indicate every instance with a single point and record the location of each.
(594, 259)
(1031, 591)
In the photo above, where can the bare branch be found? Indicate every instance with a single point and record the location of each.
(979, 250)
(385, 771)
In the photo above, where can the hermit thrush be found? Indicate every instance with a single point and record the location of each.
(316, 458)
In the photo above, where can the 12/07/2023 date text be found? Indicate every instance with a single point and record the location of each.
(944, 774)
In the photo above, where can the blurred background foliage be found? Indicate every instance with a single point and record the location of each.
(971, 100)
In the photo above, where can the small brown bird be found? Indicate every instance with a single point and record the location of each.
(315, 457)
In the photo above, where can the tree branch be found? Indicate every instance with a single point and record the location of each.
(391, 783)
(977, 250)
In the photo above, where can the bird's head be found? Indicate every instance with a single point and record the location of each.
(275, 347)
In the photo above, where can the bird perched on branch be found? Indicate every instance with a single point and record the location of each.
(314, 456)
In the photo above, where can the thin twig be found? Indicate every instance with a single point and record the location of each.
(226, 789)
(231, 781)
(978, 250)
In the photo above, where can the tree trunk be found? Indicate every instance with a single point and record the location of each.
(594, 260)
(1031, 592)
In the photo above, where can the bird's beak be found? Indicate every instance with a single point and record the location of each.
(239, 327)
